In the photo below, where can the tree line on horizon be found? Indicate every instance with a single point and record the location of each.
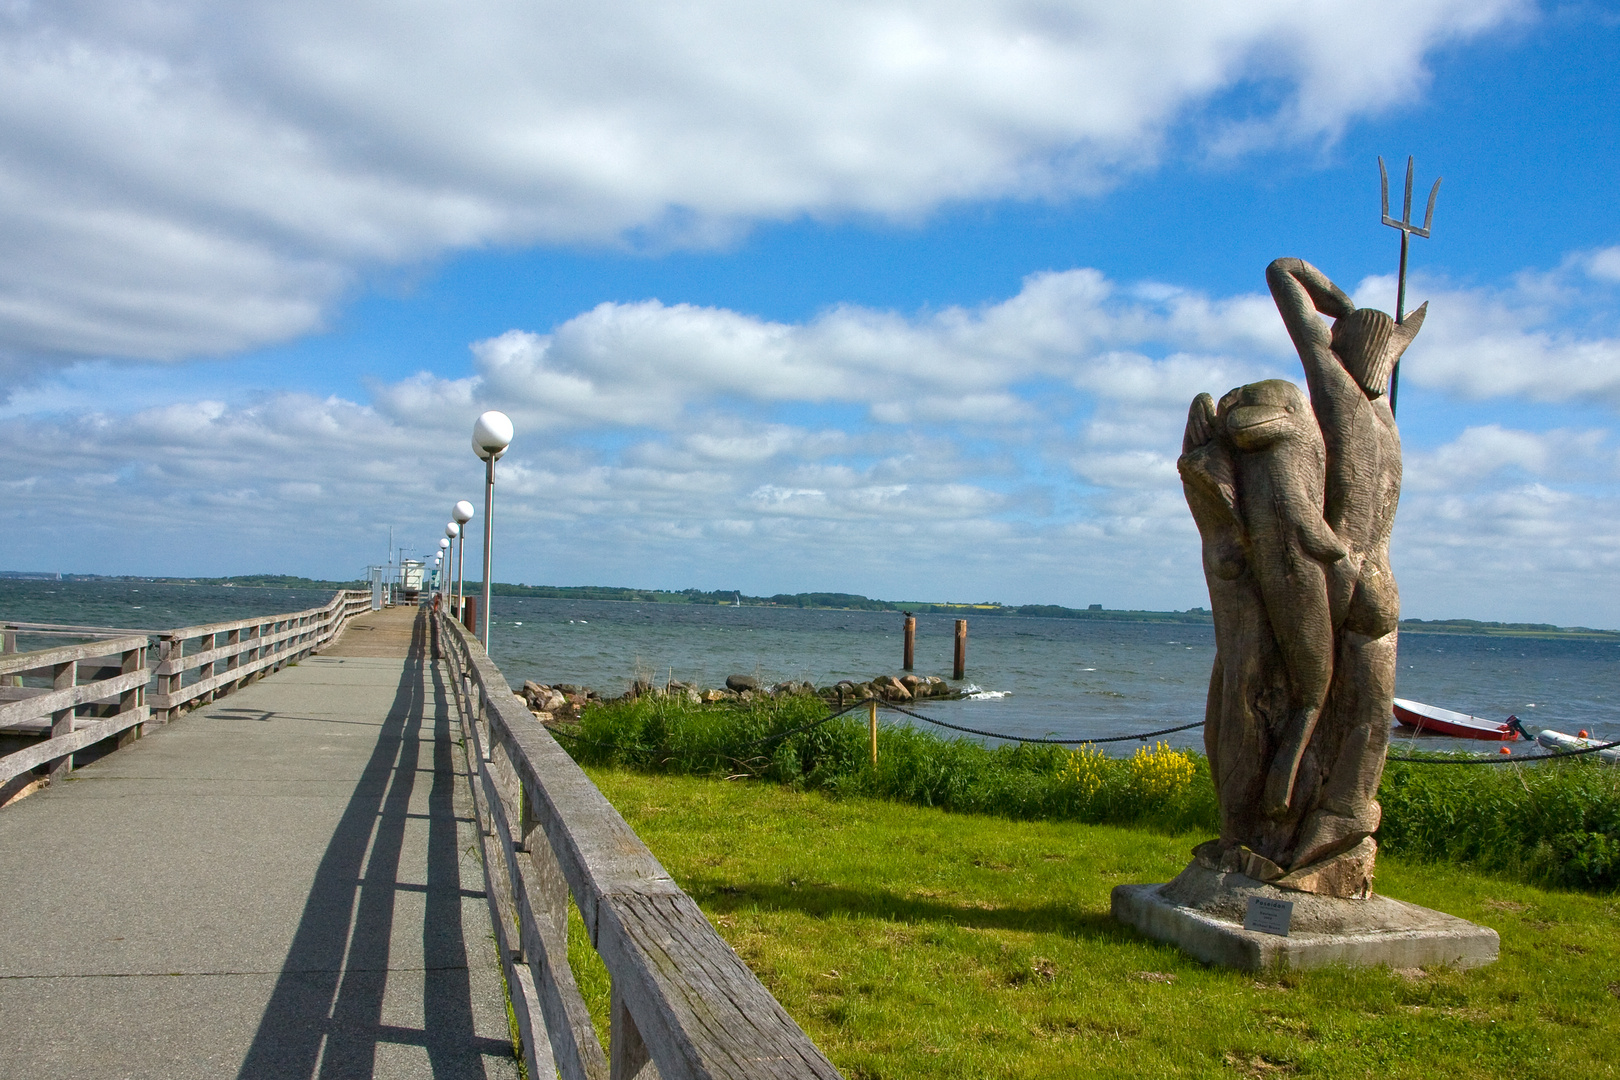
(824, 600)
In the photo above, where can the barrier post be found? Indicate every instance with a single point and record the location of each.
(961, 649)
(910, 657)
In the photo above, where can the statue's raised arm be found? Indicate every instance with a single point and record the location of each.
(1301, 291)
(1356, 355)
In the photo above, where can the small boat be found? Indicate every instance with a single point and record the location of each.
(1557, 740)
(1430, 718)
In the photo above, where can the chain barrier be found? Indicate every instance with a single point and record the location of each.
(1502, 759)
(1143, 736)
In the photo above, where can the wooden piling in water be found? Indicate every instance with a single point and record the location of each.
(960, 668)
(910, 657)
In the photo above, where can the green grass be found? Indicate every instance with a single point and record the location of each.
(914, 765)
(1548, 824)
(912, 942)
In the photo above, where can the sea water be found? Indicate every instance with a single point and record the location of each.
(1065, 678)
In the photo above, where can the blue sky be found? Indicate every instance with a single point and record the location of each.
(903, 299)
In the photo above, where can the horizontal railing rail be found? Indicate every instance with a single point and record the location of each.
(59, 700)
(88, 700)
(194, 666)
(683, 1004)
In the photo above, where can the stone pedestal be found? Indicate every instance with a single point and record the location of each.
(1202, 912)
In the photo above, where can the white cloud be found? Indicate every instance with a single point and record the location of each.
(1545, 336)
(1481, 456)
(856, 451)
(183, 178)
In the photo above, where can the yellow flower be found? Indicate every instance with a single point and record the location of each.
(1159, 772)
(1084, 770)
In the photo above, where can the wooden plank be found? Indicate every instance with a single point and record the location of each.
(66, 629)
(20, 761)
(23, 663)
(205, 629)
(69, 697)
(575, 1048)
(176, 663)
(290, 644)
(41, 725)
(497, 890)
(576, 1052)
(630, 1059)
(176, 699)
(696, 1006)
(531, 1023)
(67, 677)
(699, 1009)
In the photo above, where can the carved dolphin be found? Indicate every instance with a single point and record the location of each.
(1280, 467)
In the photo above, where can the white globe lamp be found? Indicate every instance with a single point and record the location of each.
(492, 434)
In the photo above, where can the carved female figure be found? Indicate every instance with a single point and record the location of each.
(1295, 507)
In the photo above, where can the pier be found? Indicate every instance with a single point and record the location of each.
(340, 846)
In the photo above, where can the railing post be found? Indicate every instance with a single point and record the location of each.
(233, 661)
(627, 1057)
(64, 676)
(8, 644)
(134, 697)
(170, 648)
(206, 671)
(483, 718)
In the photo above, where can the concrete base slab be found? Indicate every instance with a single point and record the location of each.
(1201, 912)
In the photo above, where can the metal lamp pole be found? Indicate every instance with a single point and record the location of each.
(451, 531)
(492, 434)
(462, 513)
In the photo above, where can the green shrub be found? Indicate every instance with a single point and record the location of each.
(1551, 824)
(1161, 787)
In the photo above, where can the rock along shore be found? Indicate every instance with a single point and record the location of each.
(565, 700)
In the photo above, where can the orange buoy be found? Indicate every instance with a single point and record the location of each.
(1505, 750)
(1583, 733)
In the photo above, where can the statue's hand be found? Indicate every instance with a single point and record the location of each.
(1321, 542)
(1200, 423)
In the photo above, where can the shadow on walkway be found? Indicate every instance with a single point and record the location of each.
(326, 1016)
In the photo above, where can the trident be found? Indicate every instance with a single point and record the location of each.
(1407, 229)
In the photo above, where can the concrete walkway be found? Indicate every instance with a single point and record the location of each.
(282, 884)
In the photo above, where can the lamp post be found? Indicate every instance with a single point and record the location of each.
(444, 549)
(492, 434)
(451, 531)
(463, 513)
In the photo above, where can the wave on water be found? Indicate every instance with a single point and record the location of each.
(974, 692)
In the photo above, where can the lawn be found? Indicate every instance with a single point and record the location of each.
(914, 942)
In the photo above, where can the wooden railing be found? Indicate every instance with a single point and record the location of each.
(194, 666)
(106, 687)
(684, 1005)
(97, 691)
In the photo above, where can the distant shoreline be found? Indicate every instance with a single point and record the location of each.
(830, 602)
